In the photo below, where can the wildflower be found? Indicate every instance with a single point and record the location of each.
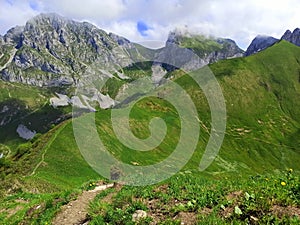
(291, 170)
(283, 183)
(267, 179)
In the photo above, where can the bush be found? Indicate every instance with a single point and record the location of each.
(22, 149)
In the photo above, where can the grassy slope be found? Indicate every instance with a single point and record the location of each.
(23, 104)
(262, 132)
(262, 97)
(261, 93)
(203, 45)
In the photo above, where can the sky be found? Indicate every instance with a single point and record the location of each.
(152, 20)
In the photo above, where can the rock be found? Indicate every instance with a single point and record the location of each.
(51, 50)
(260, 43)
(294, 37)
(60, 100)
(158, 73)
(206, 50)
(138, 215)
(54, 51)
(25, 133)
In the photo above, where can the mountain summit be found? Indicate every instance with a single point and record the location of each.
(260, 43)
(51, 50)
(210, 48)
(292, 37)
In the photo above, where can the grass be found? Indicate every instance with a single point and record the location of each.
(28, 208)
(245, 182)
(223, 201)
(24, 104)
(202, 45)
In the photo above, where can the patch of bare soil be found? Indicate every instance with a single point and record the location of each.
(227, 212)
(206, 211)
(75, 212)
(12, 211)
(281, 211)
(187, 218)
(234, 195)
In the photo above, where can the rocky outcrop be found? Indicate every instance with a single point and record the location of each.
(51, 50)
(260, 43)
(208, 49)
(25, 133)
(293, 37)
(54, 51)
(104, 101)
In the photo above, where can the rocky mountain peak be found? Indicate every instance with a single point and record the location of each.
(52, 19)
(260, 43)
(210, 49)
(293, 37)
(120, 40)
(56, 50)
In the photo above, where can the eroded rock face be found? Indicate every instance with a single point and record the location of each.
(51, 50)
(260, 43)
(207, 49)
(293, 37)
(104, 101)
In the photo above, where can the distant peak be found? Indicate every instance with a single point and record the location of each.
(51, 19)
(292, 37)
(259, 43)
(286, 34)
(297, 30)
(263, 36)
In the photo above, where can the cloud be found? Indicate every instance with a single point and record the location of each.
(14, 12)
(87, 9)
(140, 20)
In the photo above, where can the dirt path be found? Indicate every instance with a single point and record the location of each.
(45, 149)
(75, 212)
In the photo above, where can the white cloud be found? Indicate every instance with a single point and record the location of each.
(87, 9)
(10, 15)
(239, 20)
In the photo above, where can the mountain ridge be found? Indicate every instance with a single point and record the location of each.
(262, 42)
(52, 50)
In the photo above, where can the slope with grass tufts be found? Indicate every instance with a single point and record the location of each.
(262, 97)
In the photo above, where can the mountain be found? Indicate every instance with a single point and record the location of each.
(57, 54)
(254, 179)
(292, 37)
(260, 43)
(209, 49)
(51, 50)
(262, 139)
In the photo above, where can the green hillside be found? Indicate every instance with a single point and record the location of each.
(27, 105)
(203, 45)
(261, 150)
